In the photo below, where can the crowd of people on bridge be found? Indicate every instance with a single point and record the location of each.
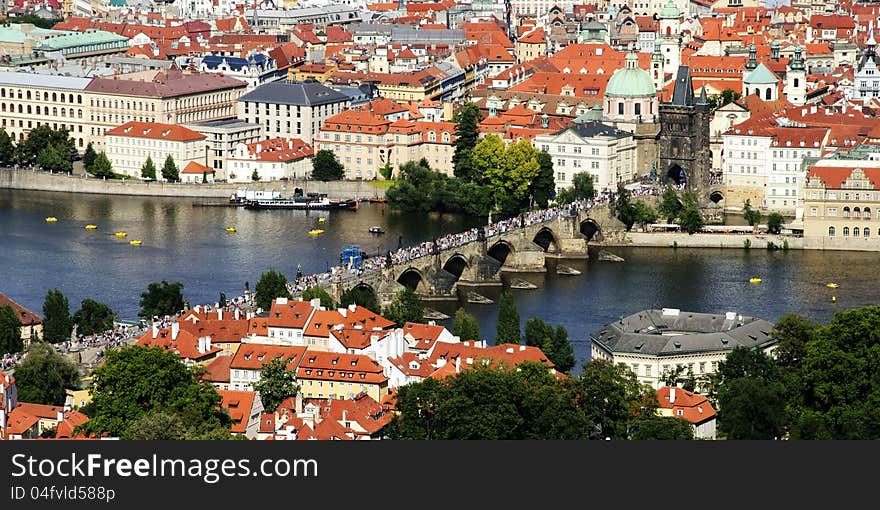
(446, 242)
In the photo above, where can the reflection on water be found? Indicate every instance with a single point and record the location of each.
(189, 244)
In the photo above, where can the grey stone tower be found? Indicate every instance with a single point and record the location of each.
(684, 137)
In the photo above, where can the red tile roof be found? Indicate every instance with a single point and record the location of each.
(156, 131)
(239, 404)
(424, 335)
(165, 84)
(195, 168)
(26, 316)
(331, 366)
(253, 356)
(691, 406)
(835, 177)
(20, 421)
(280, 149)
(218, 369)
(72, 419)
(356, 338)
(186, 345)
(290, 313)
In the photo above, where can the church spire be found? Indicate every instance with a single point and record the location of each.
(753, 56)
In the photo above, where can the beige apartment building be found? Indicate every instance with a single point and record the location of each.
(129, 145)
(842, 206)
(89, 107)
(365, 142)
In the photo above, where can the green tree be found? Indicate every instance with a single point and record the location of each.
(34, 20)
(55, 159)
(663, 428)
(387, 171)
(669, 204)
(752, 216)
(537, 332)
(774, 223)
(643, 214)
(467, 120)
(276, 383)
(690, 218)
(508, 326)
(325, 166)
(255, 176)
(727, 96)
(623, 207)
(41, 138)
(612, 398)
(169, 170)
(44, 375)
(135, 381)
(406, 306)
(584, 185)
(272, 284)
(543, 188)
(7, 149)
(751, 408)
(102, 167)
(509, 170)
(57, 322)
(10, 331)
(89, 157)
(561, 353)
(792, 333)
(361, 296)
(148, 170)
(161, 299)
(465, 325)
(316, 291)
(93, 317)
(158, 426)
(565, 196)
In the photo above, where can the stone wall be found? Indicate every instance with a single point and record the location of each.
(683, 240)
(44, 181)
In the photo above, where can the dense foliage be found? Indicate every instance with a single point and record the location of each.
(465, 325)
(51, 149)
(170, 172)
(406, 306)
(752, 216)
(44, 375)
(93, 317)
(629, 212)
(326, 167)
(552, 342)
(526, 403)
(147, 393)
(507, 326)
(361, 296)
(10, 330)
(148, 169)
(161, 299)
(276, 383)
(57, 322)
(272, 284)
(318, 292)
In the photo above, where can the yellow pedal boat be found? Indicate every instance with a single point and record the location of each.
(316, 231)
(121, 234)
(51, 219)
(91, 227)
(230, 229)
(135, 242)
(832, 285)
(754, 280)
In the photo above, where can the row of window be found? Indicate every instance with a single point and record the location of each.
(856, 232)
(38, 96)
(855, 213)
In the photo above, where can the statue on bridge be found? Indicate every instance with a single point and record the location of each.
(481, 234)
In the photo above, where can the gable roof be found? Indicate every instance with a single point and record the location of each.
(156, 131)
(694, 408)
(27, 317)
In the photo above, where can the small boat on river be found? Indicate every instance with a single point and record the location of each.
(91, 227)
(135, 242)
(377, 230)
(51, 219)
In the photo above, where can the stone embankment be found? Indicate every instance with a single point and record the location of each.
(713, 240)
(23, 179)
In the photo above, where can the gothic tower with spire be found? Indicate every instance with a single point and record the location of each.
(684, 156)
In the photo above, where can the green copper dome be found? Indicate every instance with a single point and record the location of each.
(670, 11)
(631, 81)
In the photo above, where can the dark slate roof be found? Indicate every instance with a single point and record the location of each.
(592, 128)
(643, 333)
(302, 93)
(683, 95)
(234, 63)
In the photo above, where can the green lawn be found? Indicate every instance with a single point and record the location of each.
(381, 184)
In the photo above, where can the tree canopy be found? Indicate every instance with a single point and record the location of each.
(44, 375)
(148, 170)
(10, 331)
(276, 383)
(170, 172)
(362, 296)
(752, 216)
(138, 381)
(507, 326)
(57, 322)
(102, 167)
(669, 204)
(93, 317)
(272, 284)
(318, 292)
(406, 306)
(690, 218)
(160, 299)
(326, 167)
(465, 325)
(466, 119)
(774, 223)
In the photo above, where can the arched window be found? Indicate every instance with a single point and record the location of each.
(856, 232)
(620, 107)
(866, 232)
(845, 231)
(846, 212)
(867, 212)
(769, 94)
(797, 82)
(638, 108)
(857, 213)
(831, 232)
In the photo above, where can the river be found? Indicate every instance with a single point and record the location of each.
(186, 243)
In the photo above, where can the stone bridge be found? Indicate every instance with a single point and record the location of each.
(481, 262)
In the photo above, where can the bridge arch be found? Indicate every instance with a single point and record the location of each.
(411, 278)
(500, 251)
(546, 239)
(456, 265)
(591, 230)
(716, 196)
(366, 286)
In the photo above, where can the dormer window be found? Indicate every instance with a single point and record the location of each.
(247, 357)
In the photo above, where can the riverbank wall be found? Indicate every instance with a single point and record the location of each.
(719, 240)
(32, 180)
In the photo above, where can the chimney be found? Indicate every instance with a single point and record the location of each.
(219, 314)
(175, 329)
(352, 307)
(201, 345)
(672, 394)
(207, 343)
(298, 402)
(458, 364)
(59, 416)
(237, 313)
(316, 303)
(155, 330)
(344, 415)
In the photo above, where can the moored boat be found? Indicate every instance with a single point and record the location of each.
(312, 201)
(377, 230)
(51, 219)
(91, 227)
